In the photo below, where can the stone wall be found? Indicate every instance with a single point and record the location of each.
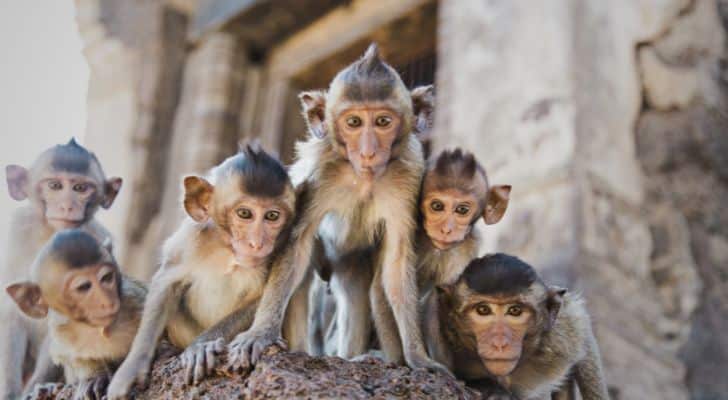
(554, 98)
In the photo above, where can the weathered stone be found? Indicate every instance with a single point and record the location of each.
(666, 86)
(296, 375)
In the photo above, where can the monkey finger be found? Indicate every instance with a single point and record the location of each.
(210, 352)
(189, 367)
(99, 387)
(199, 371)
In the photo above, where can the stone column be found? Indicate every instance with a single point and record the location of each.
(136, 51)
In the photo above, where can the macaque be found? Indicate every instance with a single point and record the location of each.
(92, 311)
(455, 195)
(501, 321)
(215, 266)
(65, 187)
(359, 175)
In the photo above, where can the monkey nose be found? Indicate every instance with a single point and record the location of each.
(367, 155)
(499, 343)
(255, 245)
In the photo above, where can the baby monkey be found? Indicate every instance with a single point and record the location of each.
(502, 322)
(215, 266)
(455, 195)
(92, 310)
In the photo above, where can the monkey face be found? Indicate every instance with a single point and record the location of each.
(255, 224)
(91, 294)
(499, 326)
(448, 216)
(66, 197)
(368, 134)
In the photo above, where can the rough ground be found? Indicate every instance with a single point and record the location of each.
(297, 375)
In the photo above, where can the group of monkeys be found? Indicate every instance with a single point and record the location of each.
(359, 249)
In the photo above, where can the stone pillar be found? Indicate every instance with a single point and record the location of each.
(547, 94)
(135, 73)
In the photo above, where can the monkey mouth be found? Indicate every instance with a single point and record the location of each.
(443, 244)
(103, 321)
(64, 223)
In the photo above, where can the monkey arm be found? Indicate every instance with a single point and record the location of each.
(286, 274)
(435, 341)
(165, 293)
(236, 322)
(588, 371)
(45, 370)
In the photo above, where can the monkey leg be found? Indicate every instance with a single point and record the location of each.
(295, 322)
(385, 323)
(436, 347)
(316, 317)
(353, 320)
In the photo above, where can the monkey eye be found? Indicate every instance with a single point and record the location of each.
(483, 309)
(55, 185)
(84, 287)
(437, 205)
(515, 311)
(353, 121)
(244, 213)
(107, 278)
(383, 121)
(80, 187)
(462, 209)
(272, 215)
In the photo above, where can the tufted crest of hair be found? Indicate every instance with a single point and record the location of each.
(369, 80)
(500, 275)
(75, 248)
(457, 169)
(262, 175)
(71, 157)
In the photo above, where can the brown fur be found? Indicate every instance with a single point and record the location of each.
(201, 293)
(559, 342)
(20, 336)
(350, 214)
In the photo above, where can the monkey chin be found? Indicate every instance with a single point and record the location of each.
(500, 367)
(61, 224)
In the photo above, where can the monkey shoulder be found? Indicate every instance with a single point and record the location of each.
(309, 153)
(558, 351)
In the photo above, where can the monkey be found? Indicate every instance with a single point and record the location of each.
(455, 195)
(359, 174)
(65, 187)
(215, 266)
(92, 310)
(501, 321)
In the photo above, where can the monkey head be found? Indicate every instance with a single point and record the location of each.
(75, 276)
(455, 193)
(499, 308)
(250, 197)
(368, 113)
(66, 184)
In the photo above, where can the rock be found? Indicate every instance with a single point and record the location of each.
(281, 375)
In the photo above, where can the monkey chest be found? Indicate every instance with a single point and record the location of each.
(212, 297)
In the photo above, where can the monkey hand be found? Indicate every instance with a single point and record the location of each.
(422, 361)
(92, 389)
(245, 350)
(132, 371)
(199, 360)
(43, 391)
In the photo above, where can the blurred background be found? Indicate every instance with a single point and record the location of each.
(608, 118)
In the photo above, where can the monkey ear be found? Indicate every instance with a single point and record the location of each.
(17, 178)
(553, 304)
(313, 106)
(496, 204)
(111, 189)
(423, 107)
(198, 193)
(28, 297)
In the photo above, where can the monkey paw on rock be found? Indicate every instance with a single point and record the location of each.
(199, 360)
(43, 391)
(245, 350)
(92, 389)
(416, 361)
(130, 373)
